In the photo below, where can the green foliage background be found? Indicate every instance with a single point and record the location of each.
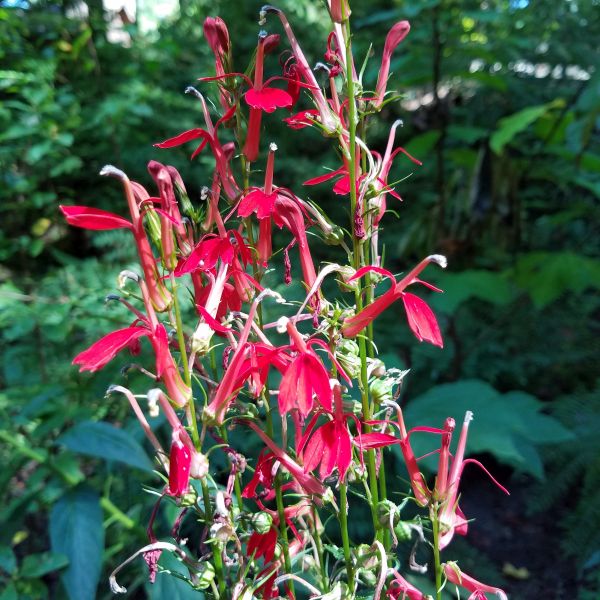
(501, 102)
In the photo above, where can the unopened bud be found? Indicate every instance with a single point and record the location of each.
(387, 513)
(345, 284)
(262, 522)
(204, 576)
(348, 354)
(201, 339)
(403, 531)
(381, 390)
(198, 466)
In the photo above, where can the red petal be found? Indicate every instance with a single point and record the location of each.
(106, 348)
(368, 441)
(93, 218)
(421, 320)
(211, 321)
(342, 186)
(259, 202)
(326, 177)
(182, 138)
(179, 467)
(268, 99)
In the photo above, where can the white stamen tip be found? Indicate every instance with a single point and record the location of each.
(468, 417)
(112, 171)
(272, 147)
(282, 324)
(439, 259)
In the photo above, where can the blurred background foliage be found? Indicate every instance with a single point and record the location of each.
(500, 100)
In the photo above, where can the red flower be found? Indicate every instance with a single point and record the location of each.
(395, 35)
(421, 319)
(478, 589)
(400, 589)
(99, 354)
(93, 218)
(180, 460)
(305, 378)
(263, 544)
(330, 446)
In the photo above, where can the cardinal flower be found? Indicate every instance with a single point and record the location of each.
(400, 589)
(260, 97)
(305, 378)
(330, 445)
(180, 460)
(93, 218)
(421, 319)
(209, 137)
(395, 35)
(478, 589)
(106, 348)
(452, 519)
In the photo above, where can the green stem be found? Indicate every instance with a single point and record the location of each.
(116, 513)
(320, 554)
(279, 500)
(436, 553)
(359, 262)
(343, 517)
(187, 376)
(208, 520)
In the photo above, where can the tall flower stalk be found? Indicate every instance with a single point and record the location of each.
(307, 389)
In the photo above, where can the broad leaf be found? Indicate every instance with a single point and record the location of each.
(76, 531)
(510, 126)
(106, 441)
(38, 565)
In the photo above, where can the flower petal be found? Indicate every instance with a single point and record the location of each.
(268, 99)
(106, 348)
(422, 320)
(93, 218)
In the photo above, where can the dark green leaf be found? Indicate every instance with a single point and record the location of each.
(38, 565)
(76, 530)
(105, 441)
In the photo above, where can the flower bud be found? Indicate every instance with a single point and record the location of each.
(198, 466)
(345, 285)
(381, 390)
(387, 511)
(348, 355)
(403, 531)
(261, 522)
(201, 339)
(204, 576)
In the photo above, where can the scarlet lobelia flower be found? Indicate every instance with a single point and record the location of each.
(421, 319)
(478, 589)
(330, 445)
(180, 460)
(106, 348)
(305, 378)
(260, 97)
(452, 519)
(395, 35)
(93, 218)
(400, 589)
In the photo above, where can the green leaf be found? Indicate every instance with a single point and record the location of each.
(546, 276)
(106, 441)
(38, 565)
(509, 426)
(421, 145)
(460, 287)
(510, 126)
(10, 592)
(76, 530)
(8, 562)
